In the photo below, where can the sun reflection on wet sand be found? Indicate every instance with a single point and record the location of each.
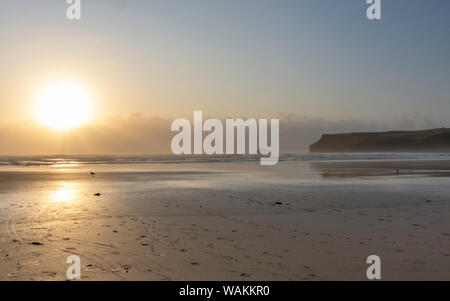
(63, 165)
(65, 193)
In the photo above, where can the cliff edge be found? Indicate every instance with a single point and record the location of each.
(434, 140)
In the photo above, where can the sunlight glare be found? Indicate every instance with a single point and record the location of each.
(63, 106)
(65, 193)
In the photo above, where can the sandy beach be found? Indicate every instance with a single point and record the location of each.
(227, 221)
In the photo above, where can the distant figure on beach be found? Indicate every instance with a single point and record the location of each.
(92, 173)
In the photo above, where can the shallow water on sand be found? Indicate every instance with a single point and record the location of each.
(226, 220)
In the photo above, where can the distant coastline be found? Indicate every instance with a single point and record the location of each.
(433, 140)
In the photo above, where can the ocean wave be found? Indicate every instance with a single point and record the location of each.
(167, 159)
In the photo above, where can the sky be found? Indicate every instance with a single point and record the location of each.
(318, 65)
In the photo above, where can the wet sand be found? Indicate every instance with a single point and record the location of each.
(227, 221)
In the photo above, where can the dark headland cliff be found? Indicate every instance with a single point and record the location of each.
(434, 140)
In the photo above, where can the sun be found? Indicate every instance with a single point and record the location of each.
(63, 106)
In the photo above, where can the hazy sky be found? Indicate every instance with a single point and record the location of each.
(318, 59)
